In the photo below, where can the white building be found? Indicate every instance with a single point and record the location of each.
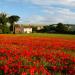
(27, 30)
(39, 27)
(23, 29)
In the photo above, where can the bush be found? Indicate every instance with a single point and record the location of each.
(5, 29)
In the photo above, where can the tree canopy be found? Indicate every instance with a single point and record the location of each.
(12, 19)
(4, 20)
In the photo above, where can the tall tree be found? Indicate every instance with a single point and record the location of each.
(3, 22)
(61, 28)
(12, 19)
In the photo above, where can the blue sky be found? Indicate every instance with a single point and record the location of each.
(40, 11)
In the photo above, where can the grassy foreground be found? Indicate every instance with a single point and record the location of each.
(45, 35)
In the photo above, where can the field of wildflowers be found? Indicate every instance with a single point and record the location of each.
(27, 55)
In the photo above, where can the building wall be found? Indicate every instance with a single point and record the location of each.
(27, 30)
(17, 30)
(39, 27)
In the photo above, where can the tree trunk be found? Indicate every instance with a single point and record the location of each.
(13, 29)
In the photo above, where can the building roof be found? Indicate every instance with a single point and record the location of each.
(24, 26)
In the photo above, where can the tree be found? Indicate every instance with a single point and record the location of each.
(12, 19)
(3, 22)
(52, 27)
(49, 28)
(61, 28)
(34, 28)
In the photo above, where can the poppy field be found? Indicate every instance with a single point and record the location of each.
(28, 55)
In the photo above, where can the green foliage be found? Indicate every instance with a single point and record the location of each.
(3, 23)
(52, 27)
(34, 29)
(1, 72)
(5, 29)
(12, 19)
(4, 20)
(61, 28)
(58, 28)
(46, 28)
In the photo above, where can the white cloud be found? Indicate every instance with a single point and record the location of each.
(43, 19)
(50, 2)
(57, 14)
(44, 2)
(35, 19)
(51, 14)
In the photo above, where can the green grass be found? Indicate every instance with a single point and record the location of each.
(48, 35)
(65, 36)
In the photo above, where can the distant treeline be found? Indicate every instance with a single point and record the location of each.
(7, 26)
(56, 28)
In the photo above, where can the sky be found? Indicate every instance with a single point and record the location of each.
(40, 11)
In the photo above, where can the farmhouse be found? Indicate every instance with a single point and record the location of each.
(22, 29)
(27, 29)
(17, 29)
(33, 28)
